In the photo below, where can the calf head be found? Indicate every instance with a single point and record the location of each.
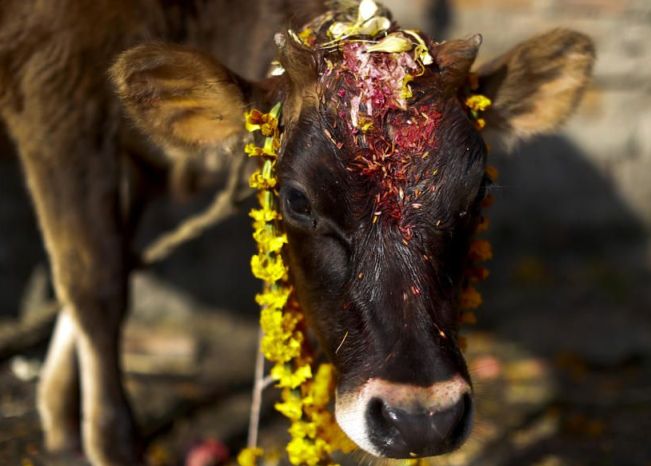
(381, 176)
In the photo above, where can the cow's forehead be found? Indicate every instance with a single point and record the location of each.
(380, 110)
(387, 132)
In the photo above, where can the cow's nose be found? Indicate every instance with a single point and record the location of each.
(418, 431)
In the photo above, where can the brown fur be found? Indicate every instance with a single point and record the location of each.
(64, 119)
(536, 86)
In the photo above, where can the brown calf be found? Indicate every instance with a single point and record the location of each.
(390, 285)
(61, 111)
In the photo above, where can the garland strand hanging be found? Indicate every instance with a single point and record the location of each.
(305, 394)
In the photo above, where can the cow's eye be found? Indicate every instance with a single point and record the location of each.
(297, 203)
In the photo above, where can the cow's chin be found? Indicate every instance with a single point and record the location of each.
(392, 420)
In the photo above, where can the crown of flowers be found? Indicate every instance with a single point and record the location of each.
(305, 390)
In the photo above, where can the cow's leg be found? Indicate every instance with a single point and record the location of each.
(58, 390)
(81, 226)
(72, 174)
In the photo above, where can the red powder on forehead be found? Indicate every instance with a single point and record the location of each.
(387, 136)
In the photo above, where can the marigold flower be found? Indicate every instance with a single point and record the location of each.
(275, 299)
(292, 405)
(269, 241)
(307, 36)
(304, 451)
(260, 180)
(416, 462)
(322, 385)
(478, 102)
(483, 225)
(255, 120)
(470, 298)
(488, 201)
(301, 429)
(480, 250)
(281, 349)
(492, 173)
(468, 318)
(288, 378)
(477, 273)
(268, 150)
(269, 269)
(249, 456)
(264, 215)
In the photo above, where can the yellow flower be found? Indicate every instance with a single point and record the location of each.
(281, 350)
(415, 462)
(478, 102)
(322, 385)
(291, 406)
(249, 456)
(307, 36)
(287, 378)
(264, 215)
(304, 399)
(367, 23)
(254, 151)
(269, 241)
(268, 269)
(301, 429)
(275, 299)
(405, 91)
(271, 321)
(303, 451)
(266, 123)
(260, 180)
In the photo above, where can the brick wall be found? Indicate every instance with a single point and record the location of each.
(595, 175)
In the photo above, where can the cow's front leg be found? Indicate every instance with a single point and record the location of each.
(73, 180)
(108, 428)
(58, 390)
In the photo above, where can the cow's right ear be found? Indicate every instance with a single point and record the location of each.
(537, 85)
(183, 99)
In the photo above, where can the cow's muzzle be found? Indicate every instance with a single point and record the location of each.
(406, 421)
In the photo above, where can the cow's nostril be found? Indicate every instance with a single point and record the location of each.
(409, 433)
(464, 423)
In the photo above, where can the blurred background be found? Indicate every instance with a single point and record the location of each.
(561, 353)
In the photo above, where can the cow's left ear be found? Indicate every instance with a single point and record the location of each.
(536, 85)
(184, 100)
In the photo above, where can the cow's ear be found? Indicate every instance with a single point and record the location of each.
(183, 99)
(536, 85)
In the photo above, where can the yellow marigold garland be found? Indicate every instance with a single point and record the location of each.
(480, 249)
(305, 395)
